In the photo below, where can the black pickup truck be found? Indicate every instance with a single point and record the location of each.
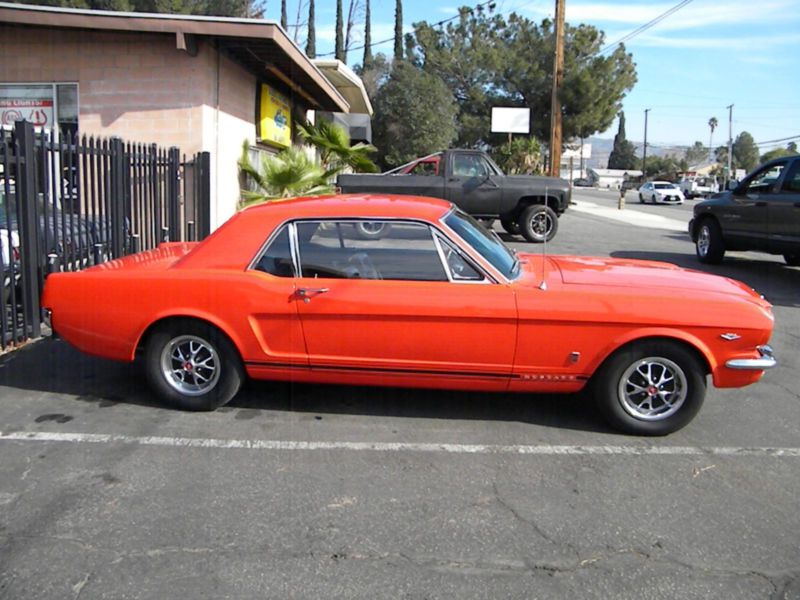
(525, 204)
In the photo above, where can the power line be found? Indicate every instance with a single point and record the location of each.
(787, 139)
(644, 27)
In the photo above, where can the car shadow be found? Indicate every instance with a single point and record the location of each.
(777, 282)
(106, 383)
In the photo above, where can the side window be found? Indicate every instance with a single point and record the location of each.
(460, 267)
(764, 180)
(277, 257)
(468, 165)
(369, 250)
(792, 181)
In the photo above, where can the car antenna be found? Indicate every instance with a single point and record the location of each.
(543, 284)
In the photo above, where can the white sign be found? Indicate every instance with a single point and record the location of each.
(577, 152)
(37, 111)
(511, 120)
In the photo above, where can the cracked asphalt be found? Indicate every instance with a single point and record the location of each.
(136, 517)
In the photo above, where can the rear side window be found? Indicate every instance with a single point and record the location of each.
(277, 258)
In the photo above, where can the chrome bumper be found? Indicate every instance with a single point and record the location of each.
(767, 361)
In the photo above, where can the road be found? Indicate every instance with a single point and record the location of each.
(297, 491)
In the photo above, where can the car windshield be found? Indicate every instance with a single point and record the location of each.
(665, 186)
(485, 242)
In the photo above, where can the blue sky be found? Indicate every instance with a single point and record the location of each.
(691, 66)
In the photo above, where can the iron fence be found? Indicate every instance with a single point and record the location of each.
(72, 203)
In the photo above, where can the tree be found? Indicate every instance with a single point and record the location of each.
(220, 8)
(336, 153)
(398, 30)
(792, 147)
(664, 167)
(696, 154)
(287, 174)
(523, 156)
(778, 153)
(414, 115)
(745, 152)
(487, 60)
(623, 156)
(712, 125)
(367, 60)
(374, 74)
(339, 49)
(311, 42)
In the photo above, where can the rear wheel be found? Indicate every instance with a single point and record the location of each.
(650, 388)
(372, 230)
(538, 223)
(192, 365)
(793, 260)
(510, 225)
(709, 245)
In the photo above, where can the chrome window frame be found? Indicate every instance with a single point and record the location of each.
(439, 239)
(474, 259)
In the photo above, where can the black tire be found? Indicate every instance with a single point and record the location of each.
(369, 230)
(646, 364)
(510, 225)
(538, 222)
(793, 260)
(486, 222)
(709, 246)
(641, 199)
(217, 360)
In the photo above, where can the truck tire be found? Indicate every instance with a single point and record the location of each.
(538, 223)
(510, 225)
(710, 247)
(372, 230)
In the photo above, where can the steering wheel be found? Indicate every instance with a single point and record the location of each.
(361, 267)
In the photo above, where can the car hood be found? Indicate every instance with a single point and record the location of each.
(645, 274)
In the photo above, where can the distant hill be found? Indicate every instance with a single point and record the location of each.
(602, 147)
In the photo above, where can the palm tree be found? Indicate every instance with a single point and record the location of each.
(712, 123)
(335, 150)
(285, 175)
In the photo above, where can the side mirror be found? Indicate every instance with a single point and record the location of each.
(732, 185)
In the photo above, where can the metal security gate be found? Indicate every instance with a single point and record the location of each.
(73, 203)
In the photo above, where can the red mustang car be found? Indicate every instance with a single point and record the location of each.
(289, 291)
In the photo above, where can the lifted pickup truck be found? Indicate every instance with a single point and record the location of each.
(527, 205)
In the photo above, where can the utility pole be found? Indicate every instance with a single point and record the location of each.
(555, 102)
(730, 145)
(644, 150)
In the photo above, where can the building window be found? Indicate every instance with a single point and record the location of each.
(51, 106)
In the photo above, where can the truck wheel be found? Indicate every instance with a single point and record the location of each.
(510, 225)
(538, 223)
(709, 245)
(372, 230)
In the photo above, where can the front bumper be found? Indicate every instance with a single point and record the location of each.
(766, 361)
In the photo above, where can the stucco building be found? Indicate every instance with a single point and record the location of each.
(198, 83)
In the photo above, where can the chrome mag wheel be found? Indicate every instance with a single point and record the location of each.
(190, 365)
(652, 388)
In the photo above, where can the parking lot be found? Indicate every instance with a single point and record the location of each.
(300, 491)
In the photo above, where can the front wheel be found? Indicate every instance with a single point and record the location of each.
(372, 230)
(192, 365)
(709, 245)
(641, 199)
(650, 388)
(510, 225)
(538, 223)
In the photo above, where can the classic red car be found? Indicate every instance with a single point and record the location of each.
(289, 291)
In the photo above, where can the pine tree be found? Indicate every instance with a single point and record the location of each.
(367, 38)
(623, 156)
(339, 32)
(398, 30)
(311, 43)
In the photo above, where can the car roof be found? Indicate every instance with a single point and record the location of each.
(354, 206)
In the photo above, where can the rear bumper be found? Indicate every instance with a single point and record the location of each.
(766, 360)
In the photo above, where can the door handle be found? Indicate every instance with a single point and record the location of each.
(307, 293)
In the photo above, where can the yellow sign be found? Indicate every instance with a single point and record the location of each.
(274, 118)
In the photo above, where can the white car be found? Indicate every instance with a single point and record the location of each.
(660, 191)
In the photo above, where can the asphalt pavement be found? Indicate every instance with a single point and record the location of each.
(300, 491)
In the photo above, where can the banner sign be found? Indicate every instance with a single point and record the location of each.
(37, 111)
(274, 118)
(511, 120)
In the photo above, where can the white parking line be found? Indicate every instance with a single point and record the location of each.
(541, 450)
(632, 217)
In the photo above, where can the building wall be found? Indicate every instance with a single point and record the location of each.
(141, 88)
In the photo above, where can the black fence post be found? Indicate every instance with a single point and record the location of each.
(173, 194)
(117, 200)
(203, 191)
(29, 221)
